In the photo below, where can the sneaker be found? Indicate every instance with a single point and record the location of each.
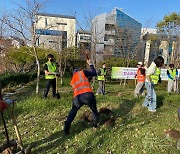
(97, 94)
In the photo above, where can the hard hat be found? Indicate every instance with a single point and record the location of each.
(140, 63)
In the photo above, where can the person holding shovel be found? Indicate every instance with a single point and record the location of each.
(50, 69)
(172, 74)
(83, 95)
(152, 78)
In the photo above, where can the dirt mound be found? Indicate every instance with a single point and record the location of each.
(104, 110)
(174, 134)
(87, 116)
(10, 148)
(110, 122)
(104, 117)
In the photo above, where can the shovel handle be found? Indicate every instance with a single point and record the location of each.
(16, 129)
(56, 84)
(6, 131)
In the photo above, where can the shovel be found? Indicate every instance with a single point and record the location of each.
(57, 93)
(179, 113)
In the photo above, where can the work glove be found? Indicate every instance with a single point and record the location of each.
(89, 61)
(3, 105)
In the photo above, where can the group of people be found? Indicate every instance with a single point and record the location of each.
(150, 77)
(83, 94)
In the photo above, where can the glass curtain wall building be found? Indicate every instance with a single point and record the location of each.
(115, 33)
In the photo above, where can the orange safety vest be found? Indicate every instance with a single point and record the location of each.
(140, 77)
(80, 83)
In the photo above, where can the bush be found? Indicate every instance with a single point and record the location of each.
(12, 79)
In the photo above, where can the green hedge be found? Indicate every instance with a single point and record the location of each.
(12, 79)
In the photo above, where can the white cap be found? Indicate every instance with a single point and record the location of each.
(140, 63)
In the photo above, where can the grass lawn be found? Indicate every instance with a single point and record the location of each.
(135, 129)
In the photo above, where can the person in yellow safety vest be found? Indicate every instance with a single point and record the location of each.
(172, 74)
(152, 78)
(50, 69)
(101, 80)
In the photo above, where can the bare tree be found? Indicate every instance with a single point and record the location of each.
(170, 26)
(3, 26)
(23, 23)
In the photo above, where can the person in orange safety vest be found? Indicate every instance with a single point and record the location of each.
(83, 95)
(140, 77)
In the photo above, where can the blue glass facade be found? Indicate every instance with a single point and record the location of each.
(131, 28)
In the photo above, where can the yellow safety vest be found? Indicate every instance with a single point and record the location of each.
(172, 73)
(102, 76)
(51, 68)
(155, 76)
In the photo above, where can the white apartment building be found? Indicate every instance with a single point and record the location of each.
(55, 31)
(83, 40)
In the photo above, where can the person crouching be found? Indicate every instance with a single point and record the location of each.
(83, 95)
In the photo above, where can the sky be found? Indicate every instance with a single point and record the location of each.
(147, 12)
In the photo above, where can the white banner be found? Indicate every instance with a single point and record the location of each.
(129, 73)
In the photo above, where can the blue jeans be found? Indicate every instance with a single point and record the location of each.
(150, 99)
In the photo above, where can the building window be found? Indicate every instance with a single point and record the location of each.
(109, 27)
(59, 23)
(49, 32)
(53, 41)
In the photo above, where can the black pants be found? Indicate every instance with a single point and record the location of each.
(80, 100)
(49, 83)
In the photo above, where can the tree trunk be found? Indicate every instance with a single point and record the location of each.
(0, 92)
(38, 77)
(61, 81)
(38, 71)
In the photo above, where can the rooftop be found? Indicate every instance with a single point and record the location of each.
(56, 15)
(84, 31)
